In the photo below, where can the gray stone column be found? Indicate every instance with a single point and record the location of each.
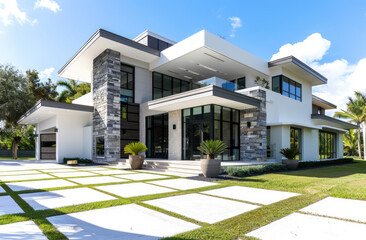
(253, 132)
(106, 98)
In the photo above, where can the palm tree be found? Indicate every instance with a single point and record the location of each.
(356, 113)
(350, 143)
(356, 117)
(72, 91)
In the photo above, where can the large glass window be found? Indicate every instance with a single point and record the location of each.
(240, 82)
(157, 136)
(164, 85)
(295, 140)
(210, 122)
(287, 87)
(127, 83)
(327, 145)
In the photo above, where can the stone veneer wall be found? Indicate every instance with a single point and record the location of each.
(106, 99)
(253, 139)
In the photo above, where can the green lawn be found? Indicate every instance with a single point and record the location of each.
(345, 181)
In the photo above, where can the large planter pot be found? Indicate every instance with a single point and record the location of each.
(136, 161)
(210, 167)
(291, 163)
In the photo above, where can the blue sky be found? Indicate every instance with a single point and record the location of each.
(44, 34)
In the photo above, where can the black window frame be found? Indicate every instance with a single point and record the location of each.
(287, 92)
(151, 129)
(97, 154)
(133, 84)
(168, 91)
(299, 143)
(327, 150)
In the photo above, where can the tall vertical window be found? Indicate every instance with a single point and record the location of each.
(295, 140)
(327, 145)
(157, 136)
(99, 146)
(127, 83)
(287, 87)
(164, 85)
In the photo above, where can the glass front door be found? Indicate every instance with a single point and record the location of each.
(201, 132)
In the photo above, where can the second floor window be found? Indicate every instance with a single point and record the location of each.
(287, 87)
(164, 85)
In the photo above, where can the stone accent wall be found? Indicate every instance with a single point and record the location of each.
(253, 138)
(106, 99)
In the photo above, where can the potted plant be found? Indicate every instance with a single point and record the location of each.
(211, 167)
(134, 149)
(290, 155)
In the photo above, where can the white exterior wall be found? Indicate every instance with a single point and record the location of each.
(310, 144)
(70, 135)
(280, 137)
(88, 142)
(143, 85)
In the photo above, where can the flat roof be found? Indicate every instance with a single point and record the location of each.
(293, 60)
(79, 66)
(326, 120)
(323, 103)
(55, 105)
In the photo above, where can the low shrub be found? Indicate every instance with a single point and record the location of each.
(80, 160)
(254, 170)
(324, 163)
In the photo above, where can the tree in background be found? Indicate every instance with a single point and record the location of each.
(15, 100)
(72, 91)
(356, 113)
(350, 141)
(40, 90)
(18, 93)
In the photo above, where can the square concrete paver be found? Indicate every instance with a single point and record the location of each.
(183, 184)
(93, 169)
(142, 176)
(254, 195)
(62, 198)
(73, 174)
(112, 172)
(42, 184)
(131, 222)
(134, 189)
(98, 180)
(9, 206)
(12, 173)
(201, 207)
(339, 208)
(25, 177)
(305, 227)
(58, 170)
(22, 231)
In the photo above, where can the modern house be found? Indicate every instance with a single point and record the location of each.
(173, 95)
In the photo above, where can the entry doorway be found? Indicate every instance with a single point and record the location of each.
(48, 146)
(201, 132)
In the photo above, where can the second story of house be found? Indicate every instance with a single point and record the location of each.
(154, 67)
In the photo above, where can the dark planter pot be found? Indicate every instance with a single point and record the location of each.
(136, 161)
(291, 163)
(210, 167)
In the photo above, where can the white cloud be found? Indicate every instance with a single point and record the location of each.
(235, 24)
(49, 4)
(46, 73)
(343, 77)
(9, 11)
(312, 48)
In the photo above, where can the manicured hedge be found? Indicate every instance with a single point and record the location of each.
(80, 160)
(254, 170)
(243, 171)
(324, 163)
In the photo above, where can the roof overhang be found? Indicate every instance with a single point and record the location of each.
(43, 110)
(324, 120)
(294, 65)
(322, 103)
(80, 66)
(204, 55)
(203, 96)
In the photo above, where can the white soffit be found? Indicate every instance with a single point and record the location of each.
(80, 66)
(322, 103)
(204, 55)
